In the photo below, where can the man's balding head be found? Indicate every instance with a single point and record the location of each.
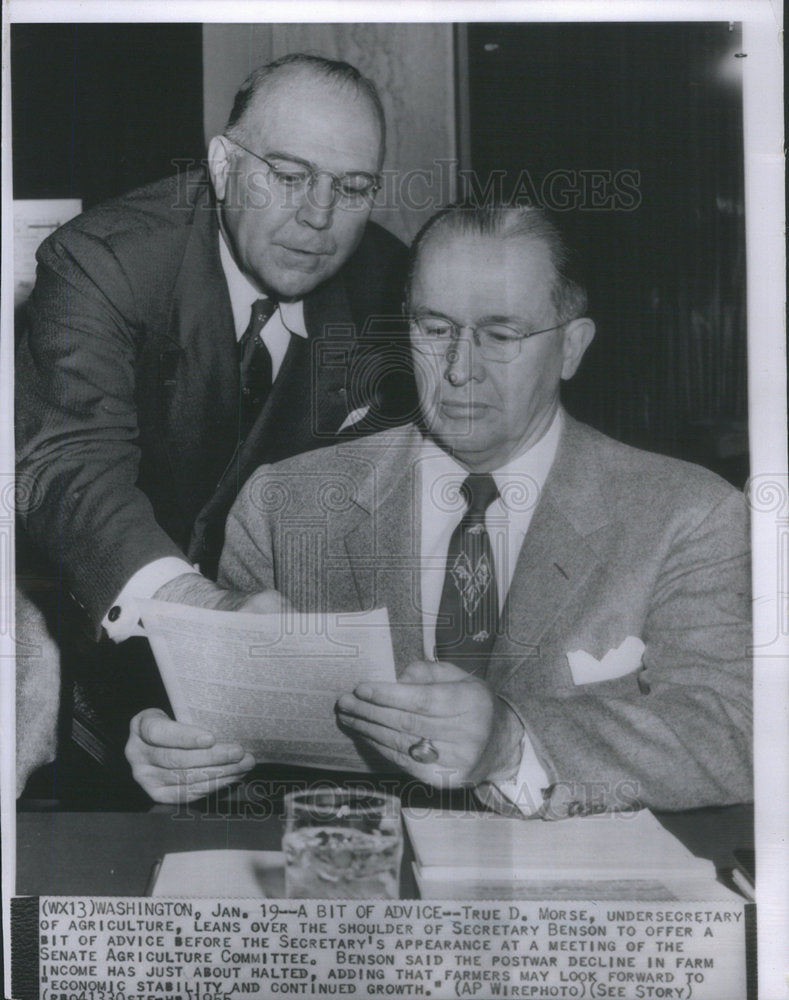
(250, 101)
(512, 222)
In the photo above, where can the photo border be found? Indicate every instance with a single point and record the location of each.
(764, 217)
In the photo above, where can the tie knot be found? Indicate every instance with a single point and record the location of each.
(479, 491)
(262, 310)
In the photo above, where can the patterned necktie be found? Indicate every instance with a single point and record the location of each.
(255, 369)
(469, 611)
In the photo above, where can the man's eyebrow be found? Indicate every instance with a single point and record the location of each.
(290, 158)
(518, 321)
(427, 311)
(502, 318)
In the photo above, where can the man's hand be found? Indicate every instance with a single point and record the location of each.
(196, 591)
(177, 763)
(477, 735)
(174, 762)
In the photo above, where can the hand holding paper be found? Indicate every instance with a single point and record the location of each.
(475, 733)
(175, 762)
(178, 762)
(264, 683)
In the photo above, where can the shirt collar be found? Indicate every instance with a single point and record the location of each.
(243, 293)
(535, 462)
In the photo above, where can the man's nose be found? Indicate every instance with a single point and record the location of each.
(317, 204)
(463, 360)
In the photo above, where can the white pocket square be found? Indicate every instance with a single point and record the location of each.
(354, 418)
(616, 662)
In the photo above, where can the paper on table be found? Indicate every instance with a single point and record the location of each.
(608, 856)
(629, 845)
(270, 682)
(432, 884)
(225, 874)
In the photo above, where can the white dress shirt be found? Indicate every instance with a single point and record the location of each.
(286, 320)
(507, 521)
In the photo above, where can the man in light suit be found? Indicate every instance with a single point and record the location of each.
(133, 424)
(576, 643)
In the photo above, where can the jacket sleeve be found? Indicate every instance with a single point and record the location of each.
(681, 736)
(77, 426)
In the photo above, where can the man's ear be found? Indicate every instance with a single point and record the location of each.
(219, 158)
(578, 335)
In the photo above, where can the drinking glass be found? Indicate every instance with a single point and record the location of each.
(342, 843)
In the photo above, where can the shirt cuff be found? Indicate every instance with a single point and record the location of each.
(525, 789)
(520, 793)
(123, 619)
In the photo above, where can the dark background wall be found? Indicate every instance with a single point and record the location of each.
(602, 105)
(99, 109)
(655, 108)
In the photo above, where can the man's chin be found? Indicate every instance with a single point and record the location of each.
(460, 421)
(456, 436)
(294, 285)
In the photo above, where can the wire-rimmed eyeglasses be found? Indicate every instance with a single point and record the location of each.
(433, 334)
(295, 177)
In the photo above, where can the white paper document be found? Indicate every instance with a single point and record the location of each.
(225, 874)
(608, 856)
(629, 844)
(270, 682)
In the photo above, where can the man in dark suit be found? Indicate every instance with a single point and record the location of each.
(179, 336)
(569, 616)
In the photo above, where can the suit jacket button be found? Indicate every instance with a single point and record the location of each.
(114, 613)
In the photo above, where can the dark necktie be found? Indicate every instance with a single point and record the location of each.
(255, 369)
(469, 611)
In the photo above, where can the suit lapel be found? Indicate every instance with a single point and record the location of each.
(201, 317)
(557, 558)
(382, 541)
(304, 410)
(198, 363)
(306, 405)
(332, 335)
(559, 554)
